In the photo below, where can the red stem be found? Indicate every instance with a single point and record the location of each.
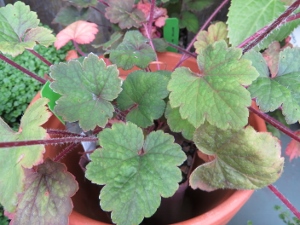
(78, 48)
(285, 201)
(103, 2)
(64, 152)
(62, 133)
(10, 144)
(275, 123)
(44, 60)
(148, 28)
(207, 22)
(24, 70)
(252, 41)
(293, 17)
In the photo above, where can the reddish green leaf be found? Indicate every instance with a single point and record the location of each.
(133, 51)
(271, 55)
(282, 90)
(13, 160)
(215, 32)
(47, 195)
(136, 170)
(217, 93)
(293, 148)
(124, 13)
(238, 162)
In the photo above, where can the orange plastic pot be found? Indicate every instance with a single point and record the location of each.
(199, 207)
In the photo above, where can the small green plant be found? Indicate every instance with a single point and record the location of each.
(3, 219)
(16, 89)
(140, 124)
(285, 216)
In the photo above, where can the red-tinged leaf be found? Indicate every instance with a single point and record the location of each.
(271, 55)
(125, 14)
(47, 196)
(72, 54)
(159, 14)
(293, 148)
(80, 31)
(14, 159)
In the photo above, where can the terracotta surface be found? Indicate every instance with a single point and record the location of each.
(219, 206)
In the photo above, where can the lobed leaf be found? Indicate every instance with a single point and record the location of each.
(81, 32)
(14, 159)
(189, 21)
(87, 90)
(19, 30)
(133, 51)
(216, 32)
(216, 94)
(124, 13)
(238, 163)
(47, 195)
(136, 172)
(143, 94)
(282, 90)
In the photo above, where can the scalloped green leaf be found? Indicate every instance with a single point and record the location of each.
(13, 160)
(245, 19)
(177, 124)
(19, 30)
(143, 94)
(189, 21)
(238, 163)
(71, 14)
(216, 32)
(282, 90)
(87, 90)
(133, 51)
(47, 195)
(216, 94)
(136, 172)
(84, 3)
(124, 13)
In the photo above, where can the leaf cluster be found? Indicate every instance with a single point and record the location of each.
(136, 120)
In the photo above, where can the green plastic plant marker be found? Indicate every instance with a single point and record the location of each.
(171, 32)
(47, 92)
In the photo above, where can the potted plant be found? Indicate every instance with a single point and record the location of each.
(159, 117)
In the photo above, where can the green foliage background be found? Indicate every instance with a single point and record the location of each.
(3, 219)
(17, 89)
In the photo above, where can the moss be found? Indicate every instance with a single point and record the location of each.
(17, 89)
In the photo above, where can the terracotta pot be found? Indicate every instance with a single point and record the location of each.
(199, 207)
